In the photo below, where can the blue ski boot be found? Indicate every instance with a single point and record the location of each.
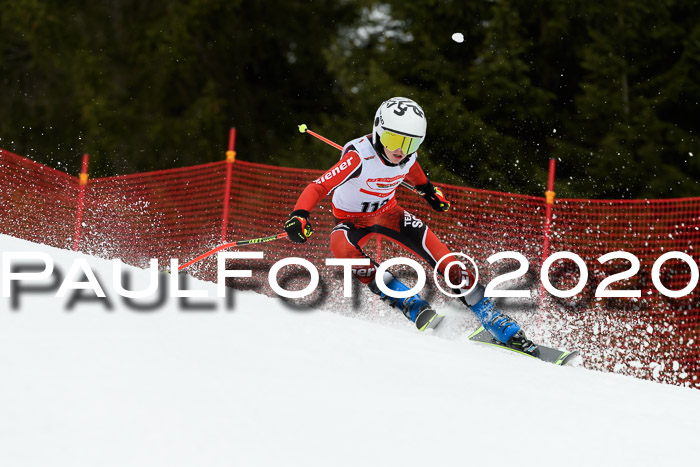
(501, 326)
(414, 308)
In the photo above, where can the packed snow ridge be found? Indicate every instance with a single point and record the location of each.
(86, 383)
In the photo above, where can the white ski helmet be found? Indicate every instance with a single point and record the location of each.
(399, 123)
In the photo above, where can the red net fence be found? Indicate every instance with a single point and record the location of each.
(179, 213)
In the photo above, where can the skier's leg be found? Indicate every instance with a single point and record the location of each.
(414, 307)
(414, 235)
(347, 240)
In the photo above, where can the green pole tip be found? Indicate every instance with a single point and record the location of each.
(302, 128)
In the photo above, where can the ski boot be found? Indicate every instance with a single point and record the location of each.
(414, 308)
(502, 327)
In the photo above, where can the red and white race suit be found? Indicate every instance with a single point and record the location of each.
(364, 203)
(362, 184)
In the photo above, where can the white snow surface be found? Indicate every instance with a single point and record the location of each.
(265, 385)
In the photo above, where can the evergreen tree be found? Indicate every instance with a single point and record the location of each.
(630, 145)
(148, 85)
(608, 88)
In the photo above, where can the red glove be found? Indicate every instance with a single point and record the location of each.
(298, 227)
(434, 196)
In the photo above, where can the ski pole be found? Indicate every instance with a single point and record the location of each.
(304, 129)
(232, 244)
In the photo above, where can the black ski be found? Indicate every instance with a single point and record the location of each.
(546, 354)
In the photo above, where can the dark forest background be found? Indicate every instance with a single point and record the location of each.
(608, 87)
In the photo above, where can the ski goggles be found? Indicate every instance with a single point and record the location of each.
(393, 141)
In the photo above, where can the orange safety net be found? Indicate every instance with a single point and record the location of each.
(166, 214)
(178, 214)
(653, 336)
(37, 203)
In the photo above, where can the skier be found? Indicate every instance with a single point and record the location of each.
(363, 183)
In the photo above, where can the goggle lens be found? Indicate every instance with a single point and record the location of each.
(394, 141)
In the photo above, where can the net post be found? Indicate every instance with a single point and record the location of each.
(230, 159)
(549, 203)
(82, 180)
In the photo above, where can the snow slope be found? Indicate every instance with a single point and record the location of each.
(262, 384)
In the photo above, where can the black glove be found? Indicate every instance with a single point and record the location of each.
(434, 196)
(298, 227)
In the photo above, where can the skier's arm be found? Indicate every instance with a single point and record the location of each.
(416, 176)
(432, 194)
(334, 177)
(298, 227)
